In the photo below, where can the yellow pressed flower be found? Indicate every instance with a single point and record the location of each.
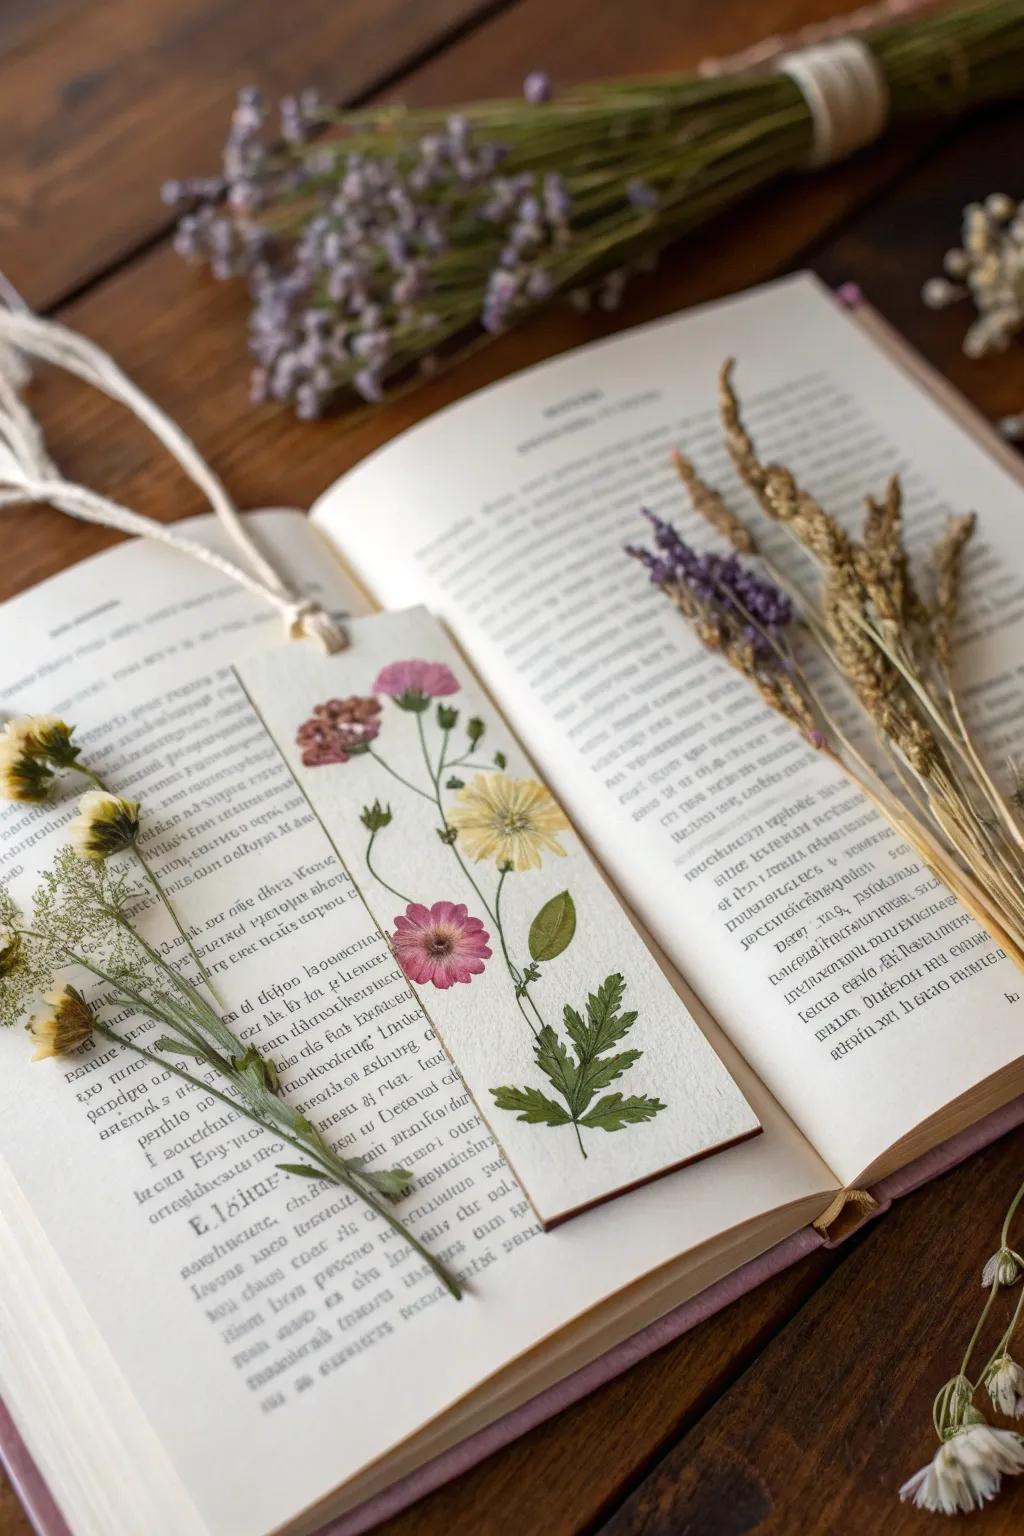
(63, 1024)
(47, 738)
(105, 824)
(512, 821)
(22, 775)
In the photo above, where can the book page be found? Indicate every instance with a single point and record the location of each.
(179, 1315)
(839, 965)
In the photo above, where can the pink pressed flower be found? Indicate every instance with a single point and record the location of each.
(441, 944)
(412, 683)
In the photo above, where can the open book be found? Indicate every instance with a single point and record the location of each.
(192, 1344)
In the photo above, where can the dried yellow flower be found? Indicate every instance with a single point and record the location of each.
(22, 775)
(513, 821)
(105, 825)
(63, 1024)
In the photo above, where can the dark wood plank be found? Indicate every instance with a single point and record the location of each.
(102, 103)
(562, 1477)
(892, 247)
(835, 1414)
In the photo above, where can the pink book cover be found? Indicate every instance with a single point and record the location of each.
(39, 1504)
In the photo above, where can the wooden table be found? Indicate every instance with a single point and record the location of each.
(806, 1404)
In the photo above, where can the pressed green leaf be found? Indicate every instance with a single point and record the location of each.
(607, 1024)
(614, 1113)
(553, 928)
(556, 1062)
(302, 1170)
(176, 1047)
(577, 1031)
(389, 1181)
(530, 1104)
(598, 1074)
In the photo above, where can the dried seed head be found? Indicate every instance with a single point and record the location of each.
(709, 503)
(738, 441)
(948, 554)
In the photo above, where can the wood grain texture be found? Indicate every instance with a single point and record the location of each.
(565, 1475)
(892, 247)
(80, 171)
(835, 1413)
(104, 101)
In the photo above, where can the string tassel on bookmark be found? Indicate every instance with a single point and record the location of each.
(28, 474)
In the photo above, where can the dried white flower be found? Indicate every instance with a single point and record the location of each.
(1005, 1383)
(966, 1470)
(22, 776)
(105, 824)
(63, 1024)
(1004, 1266)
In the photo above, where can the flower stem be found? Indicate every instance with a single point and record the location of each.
(333, 1169)
(179, 925)
(396, 775)
(405, 900)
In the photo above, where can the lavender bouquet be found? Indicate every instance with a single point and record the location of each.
(377, 243)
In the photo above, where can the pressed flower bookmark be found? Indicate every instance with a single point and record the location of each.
(577, 1050)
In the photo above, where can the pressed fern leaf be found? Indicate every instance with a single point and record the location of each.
(578, 1078)
(530, 1104)
(614, 1113)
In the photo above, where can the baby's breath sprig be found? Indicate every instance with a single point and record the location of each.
(86, 921)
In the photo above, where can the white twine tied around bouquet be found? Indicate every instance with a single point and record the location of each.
(847, 93)
(28, 474)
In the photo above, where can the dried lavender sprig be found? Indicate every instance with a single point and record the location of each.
(376, 242)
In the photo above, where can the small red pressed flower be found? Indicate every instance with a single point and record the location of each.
(337, 730)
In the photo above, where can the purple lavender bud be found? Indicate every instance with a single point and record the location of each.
(368, 384)
(259, 386)
(173, 192)
(610, 295)
(458, 129)
(537, 87)
(641, 195)
(557, 202)
(431, 235)
(308, 402)
(539, 284)
(293, 127)
(395, 248)
(353, 185)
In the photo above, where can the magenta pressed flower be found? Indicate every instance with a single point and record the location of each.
(412, 684)
(337, 730)
(441, 944)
